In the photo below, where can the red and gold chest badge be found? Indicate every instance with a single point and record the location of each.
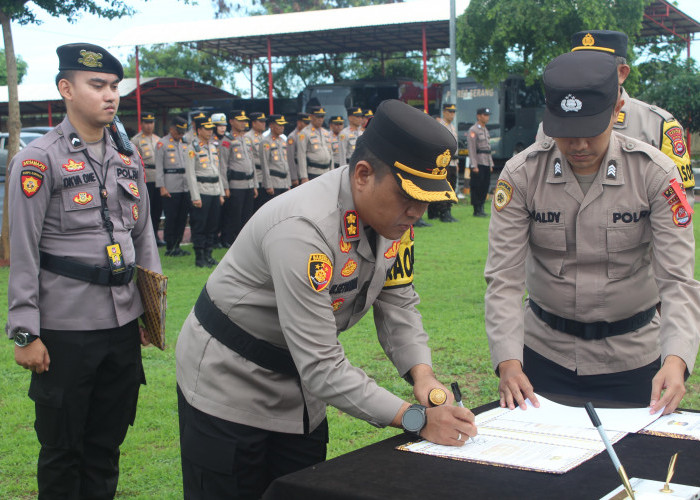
(391, 253)
(350, 225)
(344, 245)
(502, 195)
(160, 144)
(73, 166)
(348, 268)
(135, 212)
(320, 271)
(82, 198)
(34, 163)
(125, 159)
(675, 134)
(31, 182)
(337, 304)
(134, 189)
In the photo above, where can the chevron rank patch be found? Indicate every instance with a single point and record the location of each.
(502, 195)
(557, 168)
(31, 182)
(611, 171)
(320, 271)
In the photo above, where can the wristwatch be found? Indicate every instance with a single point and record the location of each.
(23, 338)
(414, 419)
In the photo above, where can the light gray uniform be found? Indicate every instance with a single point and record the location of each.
(202, 169)
(275, 284)
(55, 200)
(479, 147)
(292, 142)
(589, 258)
(273, 155)
(314, 155)
(238, 170)
(170, 165)
(348, 139)
(253, 140)
(147, 149)
(335, 149)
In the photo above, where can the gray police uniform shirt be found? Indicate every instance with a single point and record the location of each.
(335, 149)
(655, 126)
(589, 258)
(147, 149)
(348, 140)
(202, 169)
(292, 141)
(451, 127)
(170, 165)
(55, 200)
(254, 139)
(314, 155)
(479, 147)
(238, 171)
(295, 278)
(273, 156)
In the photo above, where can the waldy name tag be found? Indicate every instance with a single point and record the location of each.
(115, 258)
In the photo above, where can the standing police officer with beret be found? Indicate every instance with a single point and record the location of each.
(171, 153)
(207, 191)
(80, 223)
(443, 209)
(314, 155)
(349, 135)
(146, 143)
(259, 358)
(576, 221)
(273, 156)
(481, 161)
(303, 119)
(254, 138)
(336, 124)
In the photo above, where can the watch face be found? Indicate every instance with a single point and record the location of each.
(21, 339)
(413, 420)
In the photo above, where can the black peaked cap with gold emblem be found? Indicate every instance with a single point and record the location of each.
(416, 147)
(88, 57)
(609, 42)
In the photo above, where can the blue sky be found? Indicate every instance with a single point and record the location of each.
(37, 44)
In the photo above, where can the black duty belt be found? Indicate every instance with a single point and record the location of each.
(277, 173)
(317, 165)
(336, 165)
(259, 351)
(599, 329)
(207, 180)
(150, 167)
(85, 272)
(173, 170)
(258, 166)
(483, 151)
(234, 175)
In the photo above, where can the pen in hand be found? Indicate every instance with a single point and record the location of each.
(458, 399)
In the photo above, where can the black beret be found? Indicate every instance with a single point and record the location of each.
(483, 111)
(88, 57)
(417, 148)
(609, 42)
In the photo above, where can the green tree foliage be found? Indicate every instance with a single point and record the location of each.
(182, 61)
(21, 68)
(495, 35)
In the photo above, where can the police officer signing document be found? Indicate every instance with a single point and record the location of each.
(80, 223)
(258, 359)
(597, 227)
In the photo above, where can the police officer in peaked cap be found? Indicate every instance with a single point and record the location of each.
(309, 264)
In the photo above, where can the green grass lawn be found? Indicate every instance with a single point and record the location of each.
(450, 260)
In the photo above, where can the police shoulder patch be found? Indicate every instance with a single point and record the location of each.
(34, 163)
(320, 271)
(502, 195)
(31, 182)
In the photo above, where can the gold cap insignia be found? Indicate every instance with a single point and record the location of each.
(443, 159)
(90, 59)
(588, 40)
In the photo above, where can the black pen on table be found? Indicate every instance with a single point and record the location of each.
(613, 456)
(458, 399)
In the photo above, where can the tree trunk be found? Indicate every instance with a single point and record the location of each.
(13, 127)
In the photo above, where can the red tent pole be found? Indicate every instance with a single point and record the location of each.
(50, 117)
(269, 73)
(138, 90)
(425, 73)
(251, 78)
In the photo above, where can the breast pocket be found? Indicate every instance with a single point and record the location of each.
(130, 197)
(81, 208)
(550, 243)
(628, 249)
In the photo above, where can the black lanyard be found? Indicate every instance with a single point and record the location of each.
(104, 211)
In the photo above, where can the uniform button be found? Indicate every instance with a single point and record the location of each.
(630, 145)
(545, 144)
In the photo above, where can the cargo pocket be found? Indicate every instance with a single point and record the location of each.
(628, 249)
(81, 208)
(51, 420)
(551, 243)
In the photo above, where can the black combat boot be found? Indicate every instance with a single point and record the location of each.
(211, 261)
(199, 258)
(446, 212)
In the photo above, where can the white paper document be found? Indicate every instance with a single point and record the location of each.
(679, 424)
(552, 438)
